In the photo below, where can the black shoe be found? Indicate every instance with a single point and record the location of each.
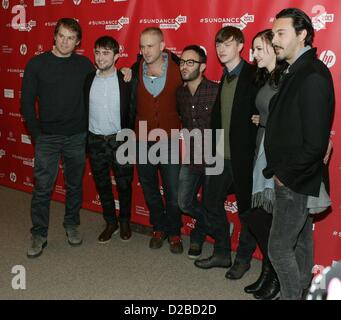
(125, 231)
(270, 289)
(266, 268)
(237, 270)
(110, 229)
(194, 251)
(213, 262)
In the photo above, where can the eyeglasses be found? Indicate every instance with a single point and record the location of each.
(189, 63)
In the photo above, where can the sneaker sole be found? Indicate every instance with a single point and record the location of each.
(38, 254)
(193, 257)
(75, 244)
(104, 242)
(125, 240)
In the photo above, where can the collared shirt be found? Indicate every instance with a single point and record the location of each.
(155, 85)
(236, 70)
(301, 52)
(195, 110)
(104, 105)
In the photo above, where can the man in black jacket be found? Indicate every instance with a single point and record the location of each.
(296, 141)
(232, 112)
(56, 78)
(107, 99)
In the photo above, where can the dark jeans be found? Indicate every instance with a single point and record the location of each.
(218, 187)
(291, 242)
(163, 217)
(49, 149)
(102, 154)
(190, 181)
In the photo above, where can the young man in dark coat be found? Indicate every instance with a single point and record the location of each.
(296, 141)
(232, 112)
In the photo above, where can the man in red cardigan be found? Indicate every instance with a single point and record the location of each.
(154, 105)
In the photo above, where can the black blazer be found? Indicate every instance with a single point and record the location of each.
(299, 123)
(242, 133)
(127, 121)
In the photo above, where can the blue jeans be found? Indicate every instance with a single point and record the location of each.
(163, 217)
(190, 181)
(49, 149)
(291, 242)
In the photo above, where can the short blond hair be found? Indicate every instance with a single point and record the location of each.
(153, 30)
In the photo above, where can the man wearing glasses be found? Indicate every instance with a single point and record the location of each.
(195, 100)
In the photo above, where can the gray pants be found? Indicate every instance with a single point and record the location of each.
(291, 242)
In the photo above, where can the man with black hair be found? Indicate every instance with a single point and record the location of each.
(56, 78)
(107, 99)
(195, 100)
(296, 140)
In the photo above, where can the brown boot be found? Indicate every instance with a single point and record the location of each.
(157, 239)
(105, 236)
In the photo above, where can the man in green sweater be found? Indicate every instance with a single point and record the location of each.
(55, 79)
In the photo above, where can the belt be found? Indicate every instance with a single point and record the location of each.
(103, 137)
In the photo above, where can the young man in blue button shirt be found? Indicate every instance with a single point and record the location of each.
(107, 98)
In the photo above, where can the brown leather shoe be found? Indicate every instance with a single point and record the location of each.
(156, 241)
(175, 244)
(125, 232)
(105, 236)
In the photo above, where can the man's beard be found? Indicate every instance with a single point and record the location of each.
(192, 76)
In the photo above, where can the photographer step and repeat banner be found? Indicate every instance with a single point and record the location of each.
(26, 29)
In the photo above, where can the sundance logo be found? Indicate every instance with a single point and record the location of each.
(231, 206)
(167, 23)
(111, 24)
(321, 18)
(239, 22)
(328, 57)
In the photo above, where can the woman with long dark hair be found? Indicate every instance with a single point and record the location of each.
(268, 77)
